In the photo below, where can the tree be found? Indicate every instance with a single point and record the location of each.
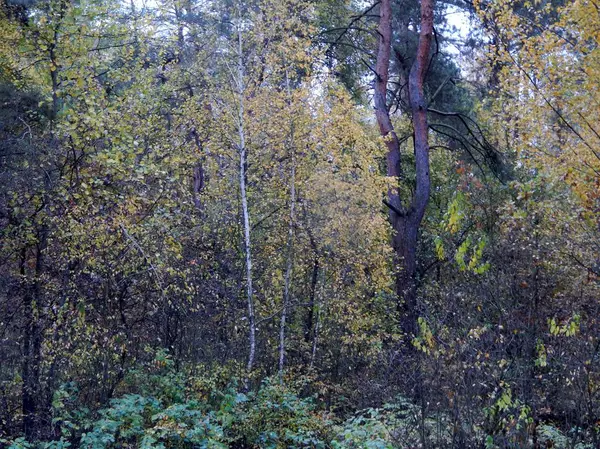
(405, 217)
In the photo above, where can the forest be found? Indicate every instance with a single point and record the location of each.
(326, 224)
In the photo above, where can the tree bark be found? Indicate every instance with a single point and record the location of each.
(198, 175)
(244, 198)
(320, 299)
(309, 326)
(28, 390)
(405, 220)
(290, 242)
(32, 343)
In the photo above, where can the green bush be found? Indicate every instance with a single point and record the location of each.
(394, 425)
(275, 417)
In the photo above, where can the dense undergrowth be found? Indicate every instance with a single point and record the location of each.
(168, 408)
(162, 407)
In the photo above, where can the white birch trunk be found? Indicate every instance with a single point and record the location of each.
(244, 198)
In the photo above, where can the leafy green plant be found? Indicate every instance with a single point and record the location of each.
(276, 417)
(394, 425)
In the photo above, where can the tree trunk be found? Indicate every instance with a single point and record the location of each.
(244, 198)
(290, 242)
(405, 220)
(28, 390)
(309, 326)
(199, 177)
(32, 343)
(404, 242)
(320, 299)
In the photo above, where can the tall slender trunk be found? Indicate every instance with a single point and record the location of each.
(54, 64)
(244, 198)
(290, 242)
(310, 318)
(32, 342)
(28, 389)
(405, 220)
(319, 304)
(198, 175)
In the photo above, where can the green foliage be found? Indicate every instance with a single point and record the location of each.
(275, 417)
(271, 417)
(147, 422)
(567, 329)
(368, 430)
(21, 443)
(67, 414)
(457, 234)
(551, 436)
(425, 340)
(393, 425)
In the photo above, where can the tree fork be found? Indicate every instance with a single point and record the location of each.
(405, 221)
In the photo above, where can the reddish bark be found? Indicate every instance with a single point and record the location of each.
(405, 220)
